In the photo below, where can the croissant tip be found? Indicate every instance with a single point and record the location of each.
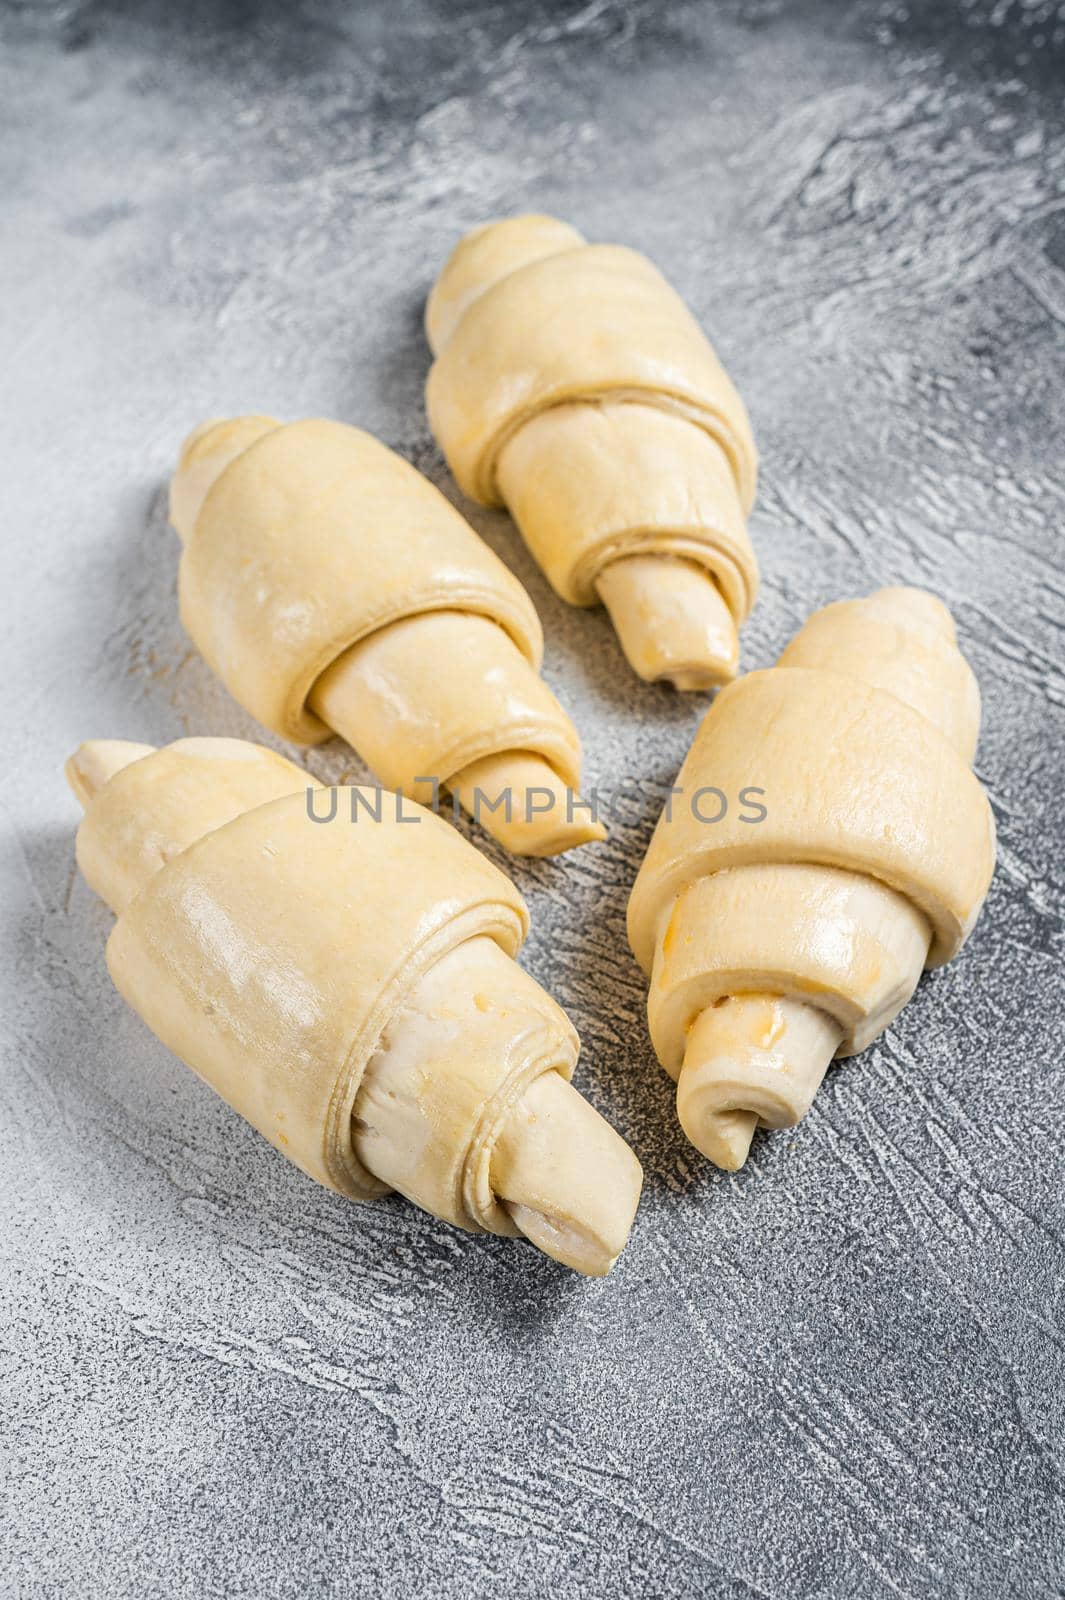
(206, 436)
(722, 1137)
(560, 840)
(703, 679)
(672, 621)
(95, 762)
(566, 1178)
(72, 771)
(196, 436)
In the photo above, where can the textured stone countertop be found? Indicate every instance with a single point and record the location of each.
(838, 1373)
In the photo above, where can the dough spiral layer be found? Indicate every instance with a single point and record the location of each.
(572, 384)
(332, 588)
(773, 946)
(348, 985)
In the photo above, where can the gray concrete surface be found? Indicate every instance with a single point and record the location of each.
(837, 1374)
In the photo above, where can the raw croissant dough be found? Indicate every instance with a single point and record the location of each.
(349, 988)
(572, 384)
(773, 946)
(334, 589)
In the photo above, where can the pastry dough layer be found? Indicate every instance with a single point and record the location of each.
(901, 640)
(482, 257)
(589, 483)
(311, 539)
(853, 779)
(271, 954)
(152, 810)
(429, 695)
(459, 1052)
(597, 322)
(848, 945)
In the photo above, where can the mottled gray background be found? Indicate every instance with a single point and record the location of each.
(836, 1374)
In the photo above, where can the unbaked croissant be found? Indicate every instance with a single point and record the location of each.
(776, 941)
(572, 384)
(347, 985)
(334, 589)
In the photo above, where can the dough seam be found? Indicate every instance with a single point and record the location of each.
(477, 1194)
(341, 1162)
(301, 725)
(654, 892)
(673, 402)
